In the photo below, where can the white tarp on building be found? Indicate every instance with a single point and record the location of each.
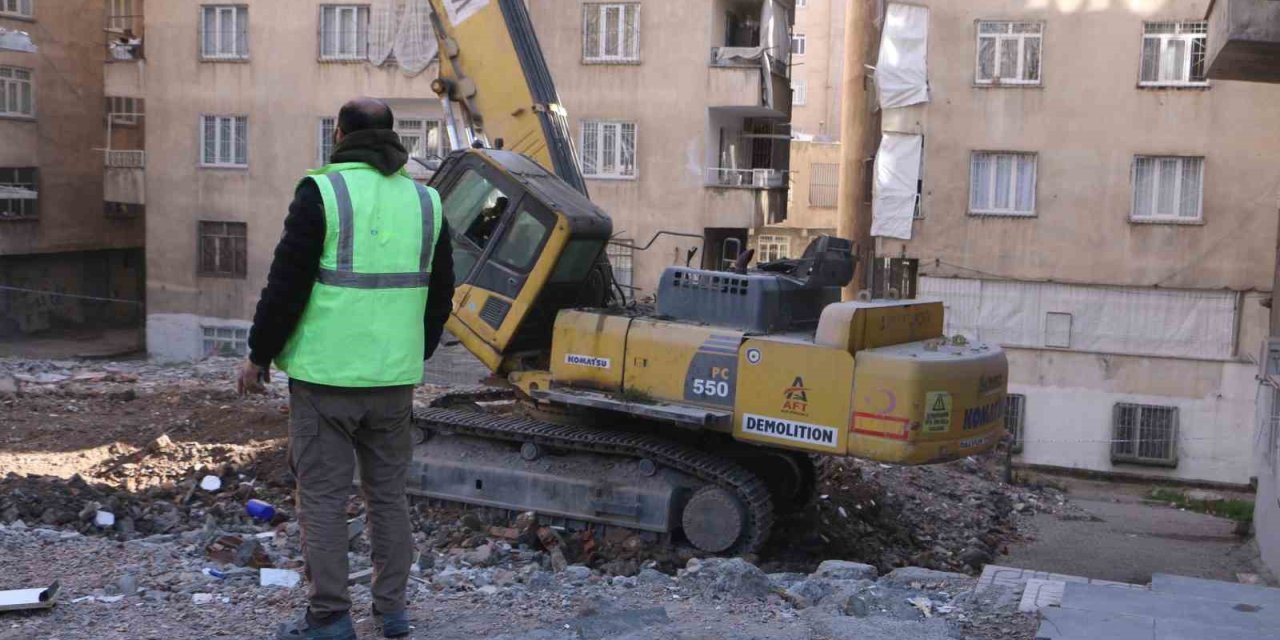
(897, 177)
(902, 76)
(1122, 320)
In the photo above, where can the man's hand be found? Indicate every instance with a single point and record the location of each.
(252, 378)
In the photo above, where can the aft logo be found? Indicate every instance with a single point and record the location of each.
(795, 400)
(586, 361)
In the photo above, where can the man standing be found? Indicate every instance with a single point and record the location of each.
(357, 297)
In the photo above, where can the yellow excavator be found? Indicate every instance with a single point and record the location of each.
(695, 418)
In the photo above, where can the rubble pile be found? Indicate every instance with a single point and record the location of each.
(952, 517)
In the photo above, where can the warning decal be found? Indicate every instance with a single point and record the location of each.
(937, 412)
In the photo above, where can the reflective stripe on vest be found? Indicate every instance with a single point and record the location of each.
(345, 275)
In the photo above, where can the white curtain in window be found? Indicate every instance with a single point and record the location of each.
(897, 178)
(402, 28)
(902, 72)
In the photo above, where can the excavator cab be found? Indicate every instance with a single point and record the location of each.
(525, 246)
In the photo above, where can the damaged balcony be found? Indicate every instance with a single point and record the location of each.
(749, 65)
(1244, 40)
(747, 172)
(124, 158)
(123, 31)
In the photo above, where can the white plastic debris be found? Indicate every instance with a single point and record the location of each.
(104, 519)
(278, 578)
(211, 483)
(922, 603)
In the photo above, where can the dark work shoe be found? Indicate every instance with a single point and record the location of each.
(394, 625)
(302, 629)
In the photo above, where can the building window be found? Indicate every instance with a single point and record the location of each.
(609, 149)
(20, 8)
(1173, 54)
(824, 183)
(1009, 52)
(17, 94)
(19, 193)
(1168, 188)
(224, 32)
(611, 32)
(799, 92)
(798, 42)
(344, 31)
(621, 255)
(1002, 184)
(124, 112)
(772, 248)
(801, 4)
(1145, 434)
(1014, 415)
(223, 251)
(122, 210)
(422, 138)
(224, 141)
(225, 341)
(325, 140)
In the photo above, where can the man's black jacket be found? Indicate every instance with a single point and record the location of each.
(297, 257)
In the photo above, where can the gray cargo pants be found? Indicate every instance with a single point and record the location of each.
(329, 429)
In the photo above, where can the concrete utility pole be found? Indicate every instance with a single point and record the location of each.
(859, 137)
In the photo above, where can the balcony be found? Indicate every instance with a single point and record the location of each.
(1244, 40)
(745, 207)
(748, 77)
(746, 178)
(124, 178)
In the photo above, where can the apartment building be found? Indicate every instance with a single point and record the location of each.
(1077, 190)
(817, 62)
(682, 110)
(241, 100)
(70, 257)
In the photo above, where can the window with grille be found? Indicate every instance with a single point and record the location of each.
(1173, 53)
(771, 248)
(224, 32)
(124, 112)
(225, 341)
(1002, 183)
(609, 150)
(1168, 188)
(121, 16)
(611, 32)
(20, 8)
(799, 92)
(224, 141)
(344, 31)
(1014, 414)
(621, 255)
(19, 193)
(422, 138)
(223, 250)
(798, 44)
(324, 140)
(1009, 52)
(824, 183)
(17, 93)
(1145, 434)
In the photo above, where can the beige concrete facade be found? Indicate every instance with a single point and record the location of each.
(821, 22)
(1087, 121)
(283, 90)
(690, 115)
(67, 243)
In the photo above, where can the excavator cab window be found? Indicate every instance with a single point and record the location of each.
(474, 208)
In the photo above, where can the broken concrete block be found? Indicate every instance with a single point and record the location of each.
(201, 598)
(613, 624)
(844, 570)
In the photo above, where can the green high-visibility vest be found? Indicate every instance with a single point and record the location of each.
(363, 325)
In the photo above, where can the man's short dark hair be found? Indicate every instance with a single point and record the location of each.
(365, 113)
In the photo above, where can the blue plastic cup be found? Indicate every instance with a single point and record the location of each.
(259, 510)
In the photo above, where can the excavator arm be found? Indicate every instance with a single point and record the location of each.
(495, 84)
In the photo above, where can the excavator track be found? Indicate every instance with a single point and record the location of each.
(749, 489)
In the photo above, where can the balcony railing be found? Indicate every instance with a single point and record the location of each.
(751, 57)
(746, 178)
(126, 159)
